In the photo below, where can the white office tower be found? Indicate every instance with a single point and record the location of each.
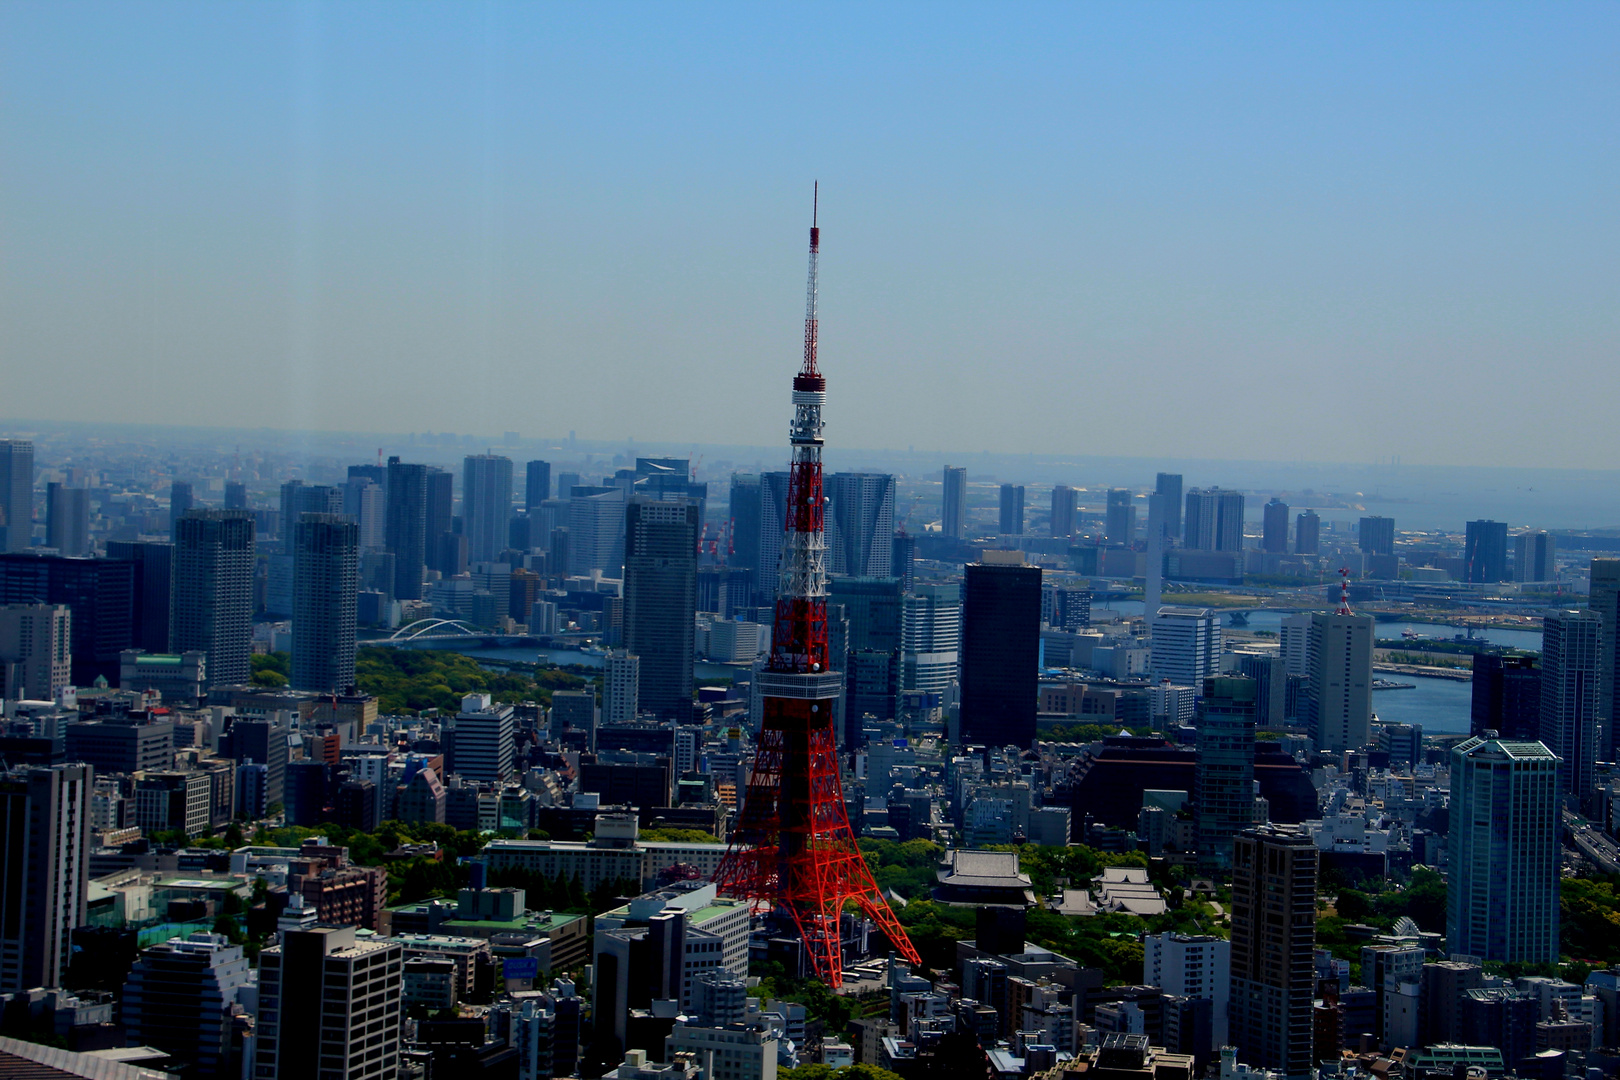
(1295, 640)
(931, 637)
(350, 1027)
(36, 657)
(1338, 708)
(1193, 966)
(1186, 645)
(481, 740)
(364, 501)
(621, 674)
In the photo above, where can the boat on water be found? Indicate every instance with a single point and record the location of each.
(1238, 618)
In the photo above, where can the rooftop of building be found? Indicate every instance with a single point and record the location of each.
(983, 869)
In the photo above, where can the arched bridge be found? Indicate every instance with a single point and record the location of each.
(433, 628)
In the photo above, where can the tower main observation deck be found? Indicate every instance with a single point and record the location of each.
(793, 850)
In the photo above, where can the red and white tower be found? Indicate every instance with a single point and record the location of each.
(793, 849)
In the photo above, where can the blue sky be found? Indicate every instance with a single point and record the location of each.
(1287, 232)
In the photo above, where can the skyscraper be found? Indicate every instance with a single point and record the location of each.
(67, 519)
(1506, 697)
(1120, 524)
(953, 505)
(903, 560)
(931, 637)
(746, 510)
(1339, 695)
(326, 578)
(1065, 510)
(872, 664)
(1485, 551)
(1307, 533)
(1000, 649)
(1012, 510)
(1376, 535)
(1533, 557)
(660, 602)
(236, 495)
(448, 557)
(100, 593)
(536, 485)
(621, 684)
(407, 526)
(180, 501)
(486, 504)
(45, 818)
(1274, 528)
(1502, 888)
(365, 501)
(213, 591)
(1570, 683)
(860, 523)
(1214, 520)
(773, 516)
(350, 1028)
(481, 740)
(36, 658)
(1274, 880)
(1168, 486)
(596, 524)
(1223, 794)
(1186, 645)
(16, 494)
(153, 590)
(1603, 597)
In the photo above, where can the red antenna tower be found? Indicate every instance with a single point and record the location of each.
(793, 850)
(1344, 592)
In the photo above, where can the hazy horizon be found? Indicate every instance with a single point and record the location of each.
(1334, 233)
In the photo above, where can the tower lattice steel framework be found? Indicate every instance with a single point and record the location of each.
(793, 849)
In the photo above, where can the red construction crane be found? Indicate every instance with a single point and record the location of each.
(793, 851)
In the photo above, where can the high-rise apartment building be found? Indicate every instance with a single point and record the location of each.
(1214, 520)
(153, 591)
(860, 524)
(536, 485)
(1119, 526)
(1274, 528)
(931, 637)
(1307, 533)
(326, 579)
(1571, 642)
(660, 602)
(213, 591)
(1192, 966)
(180, 997)
(181, 500)
(953, 503)
(1186, 645)
(1274, 881)
(1065, 510)
(45, 818)
(1603, 597)
(67, 519)
(1503, 854)
(481, 746)
(350, 1029)
(1168, 487)
(16, 494)
(367, 504)
(1223, 792)
(1485, 551)
(1376, 535)
(407, 526)
(1001, 639)
(1534, 557)
(1339, 694)
(36, 658)
(621, 684)
(486, 504)
(1012, 509)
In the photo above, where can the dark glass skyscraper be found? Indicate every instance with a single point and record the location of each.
(16, 494)
(326, 577)
(1274, 528)
(1001, 638)
(1506, 697)
(660, 602)
(745, 520)
(1168, 486)
(407, 526)
(953, 506)
(1274, 881)
(872, 667)
(536, 484)
(1223, 795)
(213, 591)
(1376, 535)
(1485, 551)
(1065, 510)
(1571, 682)
(1012, 509)
(181, 499)
(1307, 533)
(1120, 524)
(152, 590)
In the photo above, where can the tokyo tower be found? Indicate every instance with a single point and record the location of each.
(793, 850)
